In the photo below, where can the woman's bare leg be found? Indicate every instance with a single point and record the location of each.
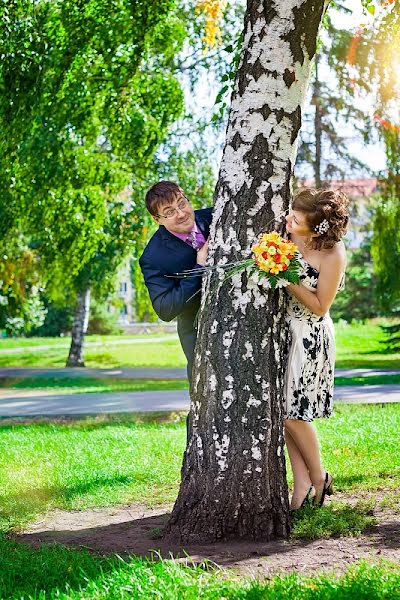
(305, 437)
(301, 476)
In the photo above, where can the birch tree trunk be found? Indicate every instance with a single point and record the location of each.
(79, 328)
(233, 475)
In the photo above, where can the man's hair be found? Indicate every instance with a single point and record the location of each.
(160, 194)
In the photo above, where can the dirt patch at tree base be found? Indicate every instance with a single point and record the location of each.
(136, 530)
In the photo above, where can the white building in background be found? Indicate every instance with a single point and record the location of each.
(122, 302)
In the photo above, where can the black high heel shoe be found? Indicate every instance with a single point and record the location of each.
(309, 500)
(327, 489)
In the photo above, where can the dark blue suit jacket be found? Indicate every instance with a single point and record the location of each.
(165, 254)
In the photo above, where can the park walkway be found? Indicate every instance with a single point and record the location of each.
(14, 402)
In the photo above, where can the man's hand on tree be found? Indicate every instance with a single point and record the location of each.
(202, 254)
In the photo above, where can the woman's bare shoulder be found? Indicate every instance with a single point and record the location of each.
(335, 255)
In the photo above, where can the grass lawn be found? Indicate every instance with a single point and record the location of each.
(54, 572)
(84, 385)
(358, 346)
(119, 459)
(370, 380)
(65, 340)
(112, 460)
(153, 354)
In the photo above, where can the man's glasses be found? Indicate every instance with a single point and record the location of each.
(172, 212)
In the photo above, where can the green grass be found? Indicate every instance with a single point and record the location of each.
(120, 459)
(340, 519)
(65, 340)
(81, 385)
(370, 380)
(155, 354)
(117, 459)
(54, 572)
(86, 463)
(84, 384)
(358, 346)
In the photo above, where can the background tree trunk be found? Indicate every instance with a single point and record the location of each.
(317, 127)
(233, 474)
(79, 328)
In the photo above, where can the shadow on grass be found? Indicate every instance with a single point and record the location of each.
(389, 535)
(18, 509)
(24, 570)
(349, 481)
(93, 422)
(366, 361)
(53, 568)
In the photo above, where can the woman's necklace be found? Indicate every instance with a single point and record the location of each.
(303, 247)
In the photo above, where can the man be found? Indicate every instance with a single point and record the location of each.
(180, 243)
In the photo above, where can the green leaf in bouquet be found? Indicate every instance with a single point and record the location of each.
(273, 281)
(291, 277)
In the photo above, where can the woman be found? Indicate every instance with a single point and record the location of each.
(316, 223)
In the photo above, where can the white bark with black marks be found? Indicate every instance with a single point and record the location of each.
(233, 475)
(79, 328)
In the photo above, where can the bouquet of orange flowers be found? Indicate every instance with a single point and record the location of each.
(274, 263)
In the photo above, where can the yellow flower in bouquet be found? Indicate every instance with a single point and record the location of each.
(274, 255)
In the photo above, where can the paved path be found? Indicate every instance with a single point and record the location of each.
(94, 403)
(149, 372)
(33, 404)
(30, 402)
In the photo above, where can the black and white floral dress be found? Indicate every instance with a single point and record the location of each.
(310, 372)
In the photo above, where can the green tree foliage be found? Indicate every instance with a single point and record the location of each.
(21, 307)
(58, 320)
(358, 300)
(386, 239)
(378, 64)
(88, 90)
(378, 57)
(102, 321)
(82, 103)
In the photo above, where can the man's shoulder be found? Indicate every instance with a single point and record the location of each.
(204, 214)
(152, 245)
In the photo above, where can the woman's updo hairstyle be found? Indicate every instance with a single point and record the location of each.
(326, 213)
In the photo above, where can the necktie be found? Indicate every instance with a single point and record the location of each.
(192, 240)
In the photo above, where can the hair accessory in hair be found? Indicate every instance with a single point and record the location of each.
(322, 227)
